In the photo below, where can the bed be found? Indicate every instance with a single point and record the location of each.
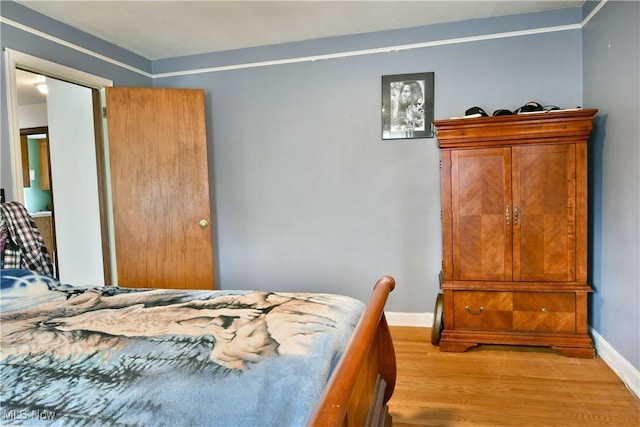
(74, 355)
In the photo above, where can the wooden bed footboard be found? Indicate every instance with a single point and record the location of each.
(363, 381)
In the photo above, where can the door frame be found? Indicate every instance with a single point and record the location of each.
(14, 60)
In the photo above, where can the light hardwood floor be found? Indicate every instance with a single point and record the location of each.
(503, 386)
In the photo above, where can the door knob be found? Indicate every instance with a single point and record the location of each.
(203, 223)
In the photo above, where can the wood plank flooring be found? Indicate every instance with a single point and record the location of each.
(503, 386)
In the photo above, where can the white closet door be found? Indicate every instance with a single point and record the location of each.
(74, 180)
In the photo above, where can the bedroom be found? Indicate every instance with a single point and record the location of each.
(306, 192)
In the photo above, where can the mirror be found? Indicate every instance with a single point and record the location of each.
(36, 171)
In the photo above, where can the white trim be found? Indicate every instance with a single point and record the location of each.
(629, 375)
(294, 60)
(72, 46)
(14, 127)
(52, 69)
(424, 320)
(390, 49)
(594, 12)
(111, 226)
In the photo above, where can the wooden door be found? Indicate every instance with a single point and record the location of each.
(160, 187)
(45, 167)
(481, 194)
(544, 199)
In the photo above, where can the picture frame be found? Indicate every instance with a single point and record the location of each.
(407, 106)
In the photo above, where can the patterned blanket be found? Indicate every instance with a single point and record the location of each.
(113, 356)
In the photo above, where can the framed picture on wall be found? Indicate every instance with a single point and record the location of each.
(407, 106)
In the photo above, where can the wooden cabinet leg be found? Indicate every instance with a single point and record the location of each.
(580, 352)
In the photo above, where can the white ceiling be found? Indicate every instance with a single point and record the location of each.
(166, 29)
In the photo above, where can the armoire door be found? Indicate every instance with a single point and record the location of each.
(544, 217)
(160, 187)
(481, 199)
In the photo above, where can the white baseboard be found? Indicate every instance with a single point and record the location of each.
(424, 320)
(621, 366)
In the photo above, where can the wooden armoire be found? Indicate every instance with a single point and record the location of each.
(514, 229)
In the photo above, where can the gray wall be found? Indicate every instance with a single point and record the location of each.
(611, 49)
(307, 196)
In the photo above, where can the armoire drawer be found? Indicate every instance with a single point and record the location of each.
(483, 310)
(515, 311)
(542, 311)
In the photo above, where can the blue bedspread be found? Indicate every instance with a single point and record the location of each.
(137, 357)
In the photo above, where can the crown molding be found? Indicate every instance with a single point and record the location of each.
(313, 58)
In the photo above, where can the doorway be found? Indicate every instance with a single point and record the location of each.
(36, 177)
(36, 169)
(173, 151)
(81, 226)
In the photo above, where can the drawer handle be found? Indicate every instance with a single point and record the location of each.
(476, 313)
(544, 309)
